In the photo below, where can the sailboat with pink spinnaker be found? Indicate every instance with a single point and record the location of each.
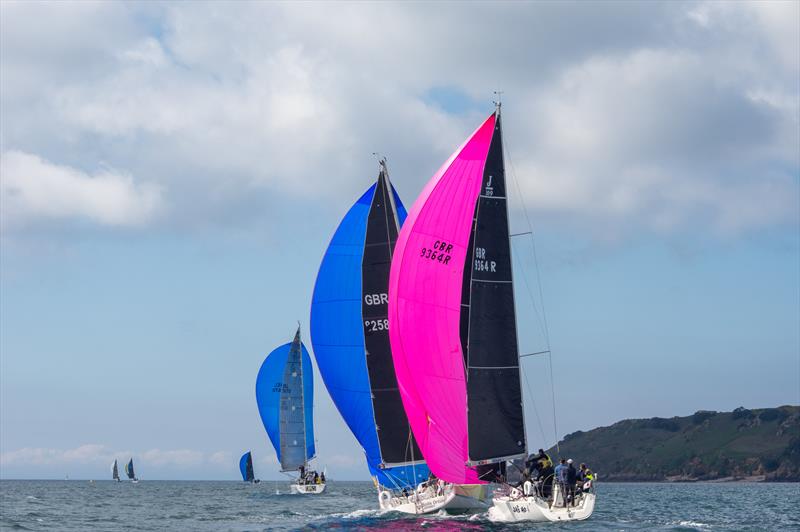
(453, 331)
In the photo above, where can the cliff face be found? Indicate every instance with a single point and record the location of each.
(759, 444)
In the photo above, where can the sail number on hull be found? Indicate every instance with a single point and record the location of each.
(440, 252)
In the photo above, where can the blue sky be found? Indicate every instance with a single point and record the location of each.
(170, 178)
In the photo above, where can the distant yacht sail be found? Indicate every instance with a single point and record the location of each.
(246, 467)
(115, 472)
(129, 471)
(285, 397)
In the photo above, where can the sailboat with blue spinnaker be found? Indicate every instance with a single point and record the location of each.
(285, 397)
(130, 472)
(246, 468)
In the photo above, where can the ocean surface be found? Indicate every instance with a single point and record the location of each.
(169, 505)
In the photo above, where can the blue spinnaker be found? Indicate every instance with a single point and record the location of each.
(337, 334)
(246, 467)
(269, 388)
(129, 470)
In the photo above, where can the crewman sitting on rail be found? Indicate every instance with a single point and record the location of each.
(585, 473)
(542, 459)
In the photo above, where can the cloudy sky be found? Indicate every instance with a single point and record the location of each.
(171, 174)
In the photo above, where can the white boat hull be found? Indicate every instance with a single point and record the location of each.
(308, 489)
(424, 502)
(509, 509)
(469, 498)
(432, 499)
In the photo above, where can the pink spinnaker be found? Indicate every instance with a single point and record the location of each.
(425, 308)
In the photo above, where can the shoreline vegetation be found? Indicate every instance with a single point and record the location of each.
(746, 445)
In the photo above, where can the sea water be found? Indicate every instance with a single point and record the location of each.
(168, 505)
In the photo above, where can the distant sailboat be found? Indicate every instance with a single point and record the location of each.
(350, 333)
(454, 329)
(246, 468)
(129, 471)
(285, 397)
(115, 472)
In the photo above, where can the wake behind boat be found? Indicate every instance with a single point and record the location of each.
(349, 330)
(454, 327)
(285, 397)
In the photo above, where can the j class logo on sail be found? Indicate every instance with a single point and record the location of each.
(440, 252)
(280, 387)
(376, 325)
(482, 264)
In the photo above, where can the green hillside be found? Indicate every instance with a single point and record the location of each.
(759, 444)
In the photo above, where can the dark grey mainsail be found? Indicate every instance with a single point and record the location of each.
(114, 471)
(397, 444)
(292, 412)
(489, 326)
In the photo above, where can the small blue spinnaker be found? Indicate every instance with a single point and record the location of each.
(129, 470)
(246, 467)
(285, 397)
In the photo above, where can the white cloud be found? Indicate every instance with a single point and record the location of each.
(178, 457)
(42, 456)
(33, 189)
(221, 458)
(660, 117)
(343, 461)
(656, 138)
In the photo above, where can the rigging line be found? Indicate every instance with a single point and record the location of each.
(515, 256)
(522, 234)
(533, 240)
(535, 410)
(533, 354)
(541, 294)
